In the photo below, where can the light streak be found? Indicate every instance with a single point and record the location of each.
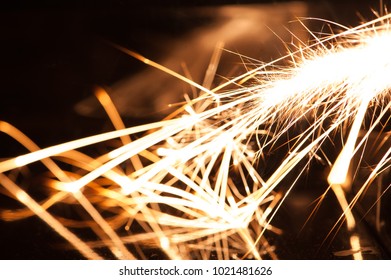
(179, 184)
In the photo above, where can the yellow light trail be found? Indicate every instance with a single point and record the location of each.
(180, 184)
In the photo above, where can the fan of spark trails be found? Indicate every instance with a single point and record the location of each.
(188, 185)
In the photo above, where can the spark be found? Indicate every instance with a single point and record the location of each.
(177, 184)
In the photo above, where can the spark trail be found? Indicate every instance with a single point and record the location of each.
(189, 186)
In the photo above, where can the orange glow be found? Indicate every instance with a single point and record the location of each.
(190, 184)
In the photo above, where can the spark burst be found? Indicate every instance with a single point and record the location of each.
(193, 185)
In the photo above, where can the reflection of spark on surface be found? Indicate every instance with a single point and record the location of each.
(187, 185)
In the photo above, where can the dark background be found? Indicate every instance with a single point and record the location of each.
(52, 56)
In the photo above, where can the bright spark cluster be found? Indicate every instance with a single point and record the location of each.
(190, 186)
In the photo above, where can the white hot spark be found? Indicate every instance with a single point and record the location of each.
(189, 186)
